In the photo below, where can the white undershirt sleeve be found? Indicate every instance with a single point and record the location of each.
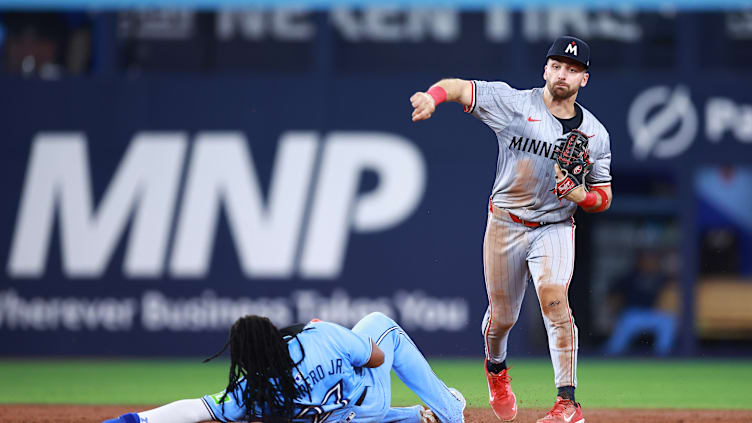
(183, 411)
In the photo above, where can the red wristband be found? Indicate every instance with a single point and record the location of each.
(604, 200)
(439, 94)
(591, 199)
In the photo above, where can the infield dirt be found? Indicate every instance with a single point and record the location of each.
(33, 413)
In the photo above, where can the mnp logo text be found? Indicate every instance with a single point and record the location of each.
(315, 178)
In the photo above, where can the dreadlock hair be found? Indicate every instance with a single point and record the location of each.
(259, 355)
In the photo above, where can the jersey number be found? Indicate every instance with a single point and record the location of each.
(316, 412)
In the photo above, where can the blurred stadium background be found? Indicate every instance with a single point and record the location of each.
(169, 166)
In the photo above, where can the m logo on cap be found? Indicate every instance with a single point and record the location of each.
(571, 48)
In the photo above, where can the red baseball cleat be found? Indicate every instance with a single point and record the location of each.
(500, 395)
(564, 411)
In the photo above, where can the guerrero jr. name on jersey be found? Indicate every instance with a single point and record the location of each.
(318, 373)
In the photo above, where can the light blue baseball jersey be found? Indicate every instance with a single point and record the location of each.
(332, 367)
(343, 391)
(527, 133)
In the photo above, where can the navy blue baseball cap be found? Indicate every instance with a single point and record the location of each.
(571, 47)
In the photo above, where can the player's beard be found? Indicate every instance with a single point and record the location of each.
(559, 92)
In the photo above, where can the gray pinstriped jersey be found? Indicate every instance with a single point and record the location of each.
(527, 132)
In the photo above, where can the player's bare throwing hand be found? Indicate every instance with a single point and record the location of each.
(554, 156)
(424, 105)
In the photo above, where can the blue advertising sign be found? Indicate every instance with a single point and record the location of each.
(324, 4)
(142, 216)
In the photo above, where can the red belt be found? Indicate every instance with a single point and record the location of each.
(516, 218)
(525, 222)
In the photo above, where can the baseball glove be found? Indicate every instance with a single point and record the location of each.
(574, 161)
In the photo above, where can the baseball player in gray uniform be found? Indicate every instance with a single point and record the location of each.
(530, 229)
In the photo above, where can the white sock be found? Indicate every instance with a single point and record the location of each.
(183, 411)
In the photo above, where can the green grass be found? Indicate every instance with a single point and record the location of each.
(706, 384)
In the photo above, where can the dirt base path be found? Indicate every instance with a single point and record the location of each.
(31, 413)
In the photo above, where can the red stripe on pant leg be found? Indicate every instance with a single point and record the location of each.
(490, 320)
(569, 310)
(488, 325)
(485, 275)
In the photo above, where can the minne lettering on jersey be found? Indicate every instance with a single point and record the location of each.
(541, 148)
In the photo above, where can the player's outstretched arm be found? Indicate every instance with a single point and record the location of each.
(183, 411)
(424, 103)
